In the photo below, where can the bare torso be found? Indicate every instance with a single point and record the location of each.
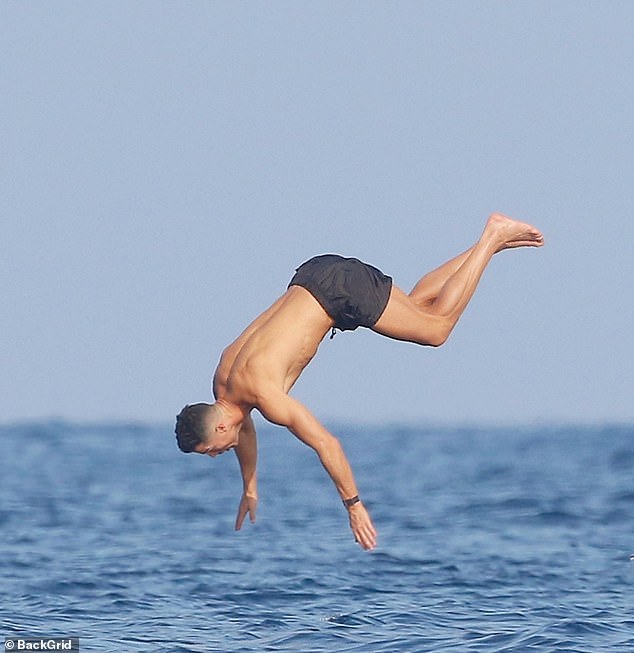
(273, 350)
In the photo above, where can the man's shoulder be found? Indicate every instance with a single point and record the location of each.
(272, 403)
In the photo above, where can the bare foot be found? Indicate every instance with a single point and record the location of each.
(508, 233)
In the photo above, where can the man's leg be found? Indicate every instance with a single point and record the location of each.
(429, 313)
(428, 288)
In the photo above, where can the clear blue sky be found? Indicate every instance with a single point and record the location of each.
(166, 166)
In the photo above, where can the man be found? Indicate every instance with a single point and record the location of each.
(327, 292)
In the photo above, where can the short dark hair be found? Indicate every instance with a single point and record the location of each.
(191, 426)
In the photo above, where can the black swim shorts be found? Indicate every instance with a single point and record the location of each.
(353, 293)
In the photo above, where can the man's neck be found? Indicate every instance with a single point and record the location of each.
(233, 413)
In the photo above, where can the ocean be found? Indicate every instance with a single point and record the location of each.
(490, 539)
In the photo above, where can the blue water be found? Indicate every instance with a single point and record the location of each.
(490, 539)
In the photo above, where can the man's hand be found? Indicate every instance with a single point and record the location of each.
(248, 504)
(362, 527)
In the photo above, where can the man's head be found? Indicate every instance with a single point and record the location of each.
(203, 428)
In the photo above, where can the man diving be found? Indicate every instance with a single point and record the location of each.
(329, 292)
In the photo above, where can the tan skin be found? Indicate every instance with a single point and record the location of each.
(259, 368)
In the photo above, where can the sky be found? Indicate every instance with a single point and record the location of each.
(167, 165)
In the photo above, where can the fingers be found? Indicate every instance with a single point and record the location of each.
(247, 505)
(242, 511)
(363, 528)
(240, 517)
(253, 504)
(366, 538)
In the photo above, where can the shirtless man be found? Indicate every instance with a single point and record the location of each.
(327, 292)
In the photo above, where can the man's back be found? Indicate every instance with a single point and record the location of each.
(273, 350)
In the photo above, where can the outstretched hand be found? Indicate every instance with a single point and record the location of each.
(362, 527)
(248, 504)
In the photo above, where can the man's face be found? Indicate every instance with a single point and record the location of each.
(219, 441)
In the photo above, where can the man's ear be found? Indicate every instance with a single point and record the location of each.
(221, 427)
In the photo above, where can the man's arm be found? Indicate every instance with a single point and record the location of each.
(281, 409)
(247, 453)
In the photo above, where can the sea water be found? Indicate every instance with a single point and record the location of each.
(490, 539)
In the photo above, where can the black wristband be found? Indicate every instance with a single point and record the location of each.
(350, 502)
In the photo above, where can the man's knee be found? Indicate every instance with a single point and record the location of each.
(438, 339)
(438, 334)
